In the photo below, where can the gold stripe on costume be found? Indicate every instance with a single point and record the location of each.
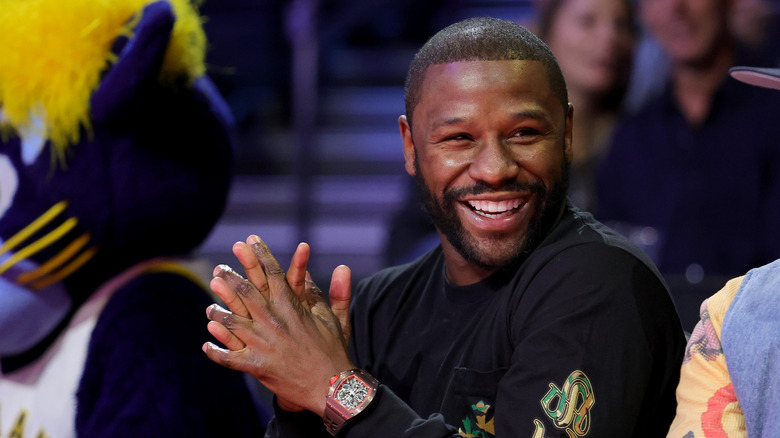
(58, 260)
(180, 269)
(67, 270)
(39, 244)
(34, 226)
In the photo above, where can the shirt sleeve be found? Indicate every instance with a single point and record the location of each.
(597, 348)
(389, 416)
(386, 416)
(706, 402)
(294, 424)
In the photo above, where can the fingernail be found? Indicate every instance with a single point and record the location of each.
(219, 269)
(253, 240)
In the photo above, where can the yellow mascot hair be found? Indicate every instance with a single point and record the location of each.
(53, 52)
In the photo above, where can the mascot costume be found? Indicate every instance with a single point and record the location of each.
(115, 161)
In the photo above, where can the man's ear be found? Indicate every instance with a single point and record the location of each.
(406, 137)
(568, 133)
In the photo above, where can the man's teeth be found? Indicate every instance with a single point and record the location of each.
(495, 207)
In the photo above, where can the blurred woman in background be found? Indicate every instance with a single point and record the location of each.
(593, 41)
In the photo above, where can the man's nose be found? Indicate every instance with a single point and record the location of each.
(494, 163)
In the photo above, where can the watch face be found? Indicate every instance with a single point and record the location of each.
(352, 392)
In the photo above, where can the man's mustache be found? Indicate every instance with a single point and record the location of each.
(480, 188)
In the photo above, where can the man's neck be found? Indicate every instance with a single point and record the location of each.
(694, 85)
(462, 272)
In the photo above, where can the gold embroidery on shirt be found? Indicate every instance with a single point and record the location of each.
(569, 406)
(482, 428)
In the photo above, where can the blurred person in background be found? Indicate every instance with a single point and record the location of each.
(593, 42)
(730, 370)
(754, 23)
(692, 175)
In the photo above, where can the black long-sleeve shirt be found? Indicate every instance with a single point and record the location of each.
(583, 338)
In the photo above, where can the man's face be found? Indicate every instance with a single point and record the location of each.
(689, 30)
(489, 148)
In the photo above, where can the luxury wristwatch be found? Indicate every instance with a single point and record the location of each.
(350, 393)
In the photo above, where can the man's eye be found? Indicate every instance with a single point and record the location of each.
(457, 137)
(524, 133)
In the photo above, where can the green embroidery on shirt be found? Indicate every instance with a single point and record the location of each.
(482, 427)
(569, 406)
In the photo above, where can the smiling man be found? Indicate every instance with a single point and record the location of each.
(497, 147)
(530, 319)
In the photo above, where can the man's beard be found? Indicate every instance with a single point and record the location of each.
(445, 217)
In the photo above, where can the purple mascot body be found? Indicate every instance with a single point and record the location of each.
(101, 323)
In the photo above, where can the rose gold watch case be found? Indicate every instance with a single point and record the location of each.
(349, 395)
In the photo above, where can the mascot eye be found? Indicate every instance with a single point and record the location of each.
(9, 182)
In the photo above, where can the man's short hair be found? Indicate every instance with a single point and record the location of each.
(482, 39)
